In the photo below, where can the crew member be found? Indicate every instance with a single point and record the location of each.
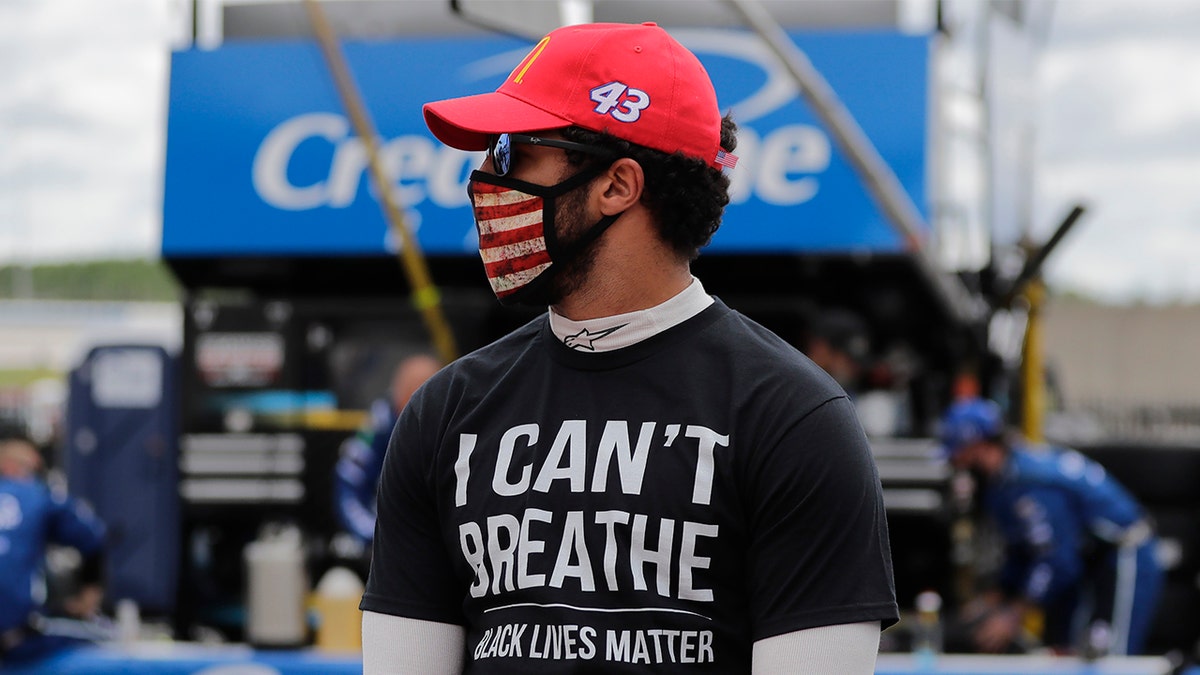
(839, 343)
(31, 515)
(1075, 538)
(357, 473)
(641, 479)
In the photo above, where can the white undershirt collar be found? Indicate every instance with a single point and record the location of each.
(615, 332)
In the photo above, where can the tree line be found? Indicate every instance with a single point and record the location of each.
(137, 279)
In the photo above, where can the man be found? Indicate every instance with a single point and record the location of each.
(31, 514)
(642, 479)
(1075, 538)
(357, 472)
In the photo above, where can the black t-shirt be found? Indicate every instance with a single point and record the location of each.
(662, 505)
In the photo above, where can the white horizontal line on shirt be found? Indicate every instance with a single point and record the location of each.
(603, 610)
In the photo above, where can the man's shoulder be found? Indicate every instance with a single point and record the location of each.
(1044, 465)
(761, 354)
(503, 349)
(744, 337)
(22, 488)
(30, 495)
(487, 362)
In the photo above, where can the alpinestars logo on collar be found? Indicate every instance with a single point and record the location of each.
(585, 339)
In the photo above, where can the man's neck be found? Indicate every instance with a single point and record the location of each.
(634, 269)
(623, 288)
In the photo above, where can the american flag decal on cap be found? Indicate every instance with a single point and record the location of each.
(727, 160)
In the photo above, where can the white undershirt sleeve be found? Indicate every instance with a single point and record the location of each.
(846, 649)
(395, 645)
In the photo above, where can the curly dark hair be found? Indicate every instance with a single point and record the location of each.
(685, 195)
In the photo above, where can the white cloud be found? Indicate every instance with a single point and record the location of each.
(1119, 128)
(1128, 95)
(83, 103)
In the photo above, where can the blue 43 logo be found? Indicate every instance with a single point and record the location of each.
(620, 100)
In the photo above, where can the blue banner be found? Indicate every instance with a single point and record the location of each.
(262, 160)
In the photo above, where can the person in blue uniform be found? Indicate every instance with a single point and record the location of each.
(32, 515)
(361, 460)
(1078, 545)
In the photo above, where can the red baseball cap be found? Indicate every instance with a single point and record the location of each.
(633, 81)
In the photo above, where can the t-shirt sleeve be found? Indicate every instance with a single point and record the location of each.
(819, 552)
(411, 571)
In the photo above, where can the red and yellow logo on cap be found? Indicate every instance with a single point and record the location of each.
(519, 71)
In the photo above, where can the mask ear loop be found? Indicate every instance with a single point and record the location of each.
(560, 254)
(598, 228)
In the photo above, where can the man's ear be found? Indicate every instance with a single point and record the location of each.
(620, 187)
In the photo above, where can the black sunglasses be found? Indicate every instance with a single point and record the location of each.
(500, 149)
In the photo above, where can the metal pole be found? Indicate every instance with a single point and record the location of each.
(874, 172)
(425, 295)
(1035, 259)
(1033, 384)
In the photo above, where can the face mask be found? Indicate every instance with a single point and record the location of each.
(517, 238)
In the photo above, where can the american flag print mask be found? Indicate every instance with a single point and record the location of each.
(517, 238)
